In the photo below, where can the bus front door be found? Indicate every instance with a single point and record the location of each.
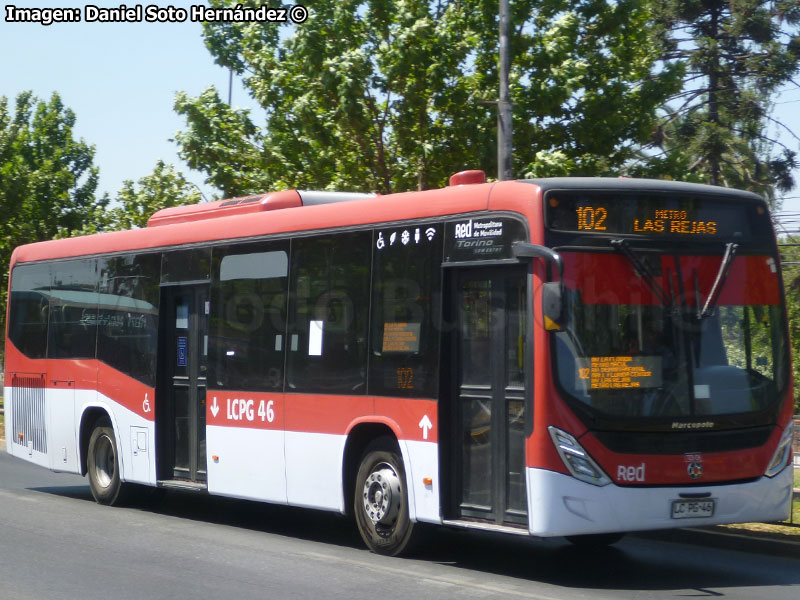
(487, 411)
(181, 425)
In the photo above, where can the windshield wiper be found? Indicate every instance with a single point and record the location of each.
(642, 270)
(722, 276)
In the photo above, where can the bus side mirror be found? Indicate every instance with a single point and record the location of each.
(552, 305)
(553, 291)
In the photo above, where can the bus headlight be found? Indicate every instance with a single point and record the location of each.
(576, 459)
(783, 453)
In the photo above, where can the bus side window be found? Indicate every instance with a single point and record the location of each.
(328, 313)
(73, 296)
(248, 316)
(127, 314)
(29, 308)
(405, 308)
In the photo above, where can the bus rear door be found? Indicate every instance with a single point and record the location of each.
(181, 417)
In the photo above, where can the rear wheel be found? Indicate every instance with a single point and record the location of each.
(381, 500)
(103, 465)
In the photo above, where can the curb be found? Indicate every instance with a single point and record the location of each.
(725, 540)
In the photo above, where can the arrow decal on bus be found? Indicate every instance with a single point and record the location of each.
(425, 424)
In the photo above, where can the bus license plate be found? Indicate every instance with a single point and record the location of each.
(692, 509)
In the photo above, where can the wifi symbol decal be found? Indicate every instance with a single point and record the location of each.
(429, 233)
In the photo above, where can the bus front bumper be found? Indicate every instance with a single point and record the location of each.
(559, 504)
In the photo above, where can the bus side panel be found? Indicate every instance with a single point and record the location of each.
(314, 470)
(246, 463)
(135, 435)
(422, 464)
(26, 422)
(61, 429)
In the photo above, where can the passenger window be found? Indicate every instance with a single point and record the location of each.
(248, 317)
(328, 313)
(405, 311)
(29, 309)
(73, 306)
(127, 315)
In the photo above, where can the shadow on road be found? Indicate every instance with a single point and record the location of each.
(636, 563)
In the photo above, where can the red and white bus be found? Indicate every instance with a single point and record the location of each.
(558, 357)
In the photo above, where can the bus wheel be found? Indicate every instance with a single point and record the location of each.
(595, 540)
(381, 500)
(103, 465)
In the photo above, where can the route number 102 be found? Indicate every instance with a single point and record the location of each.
(591, 219)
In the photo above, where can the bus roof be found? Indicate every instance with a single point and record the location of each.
(452, 200)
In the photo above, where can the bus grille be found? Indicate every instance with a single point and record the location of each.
(29, 417)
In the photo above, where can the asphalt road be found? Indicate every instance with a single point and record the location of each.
(55, 542)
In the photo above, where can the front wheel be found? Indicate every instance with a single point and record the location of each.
(381, 500)
(103, 465)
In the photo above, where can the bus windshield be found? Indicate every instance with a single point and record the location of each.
(643, 337)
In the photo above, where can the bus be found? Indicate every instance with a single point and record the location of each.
(577, 357)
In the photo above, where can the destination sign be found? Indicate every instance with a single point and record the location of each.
(655, 215)
(619, 372)
(401, 337)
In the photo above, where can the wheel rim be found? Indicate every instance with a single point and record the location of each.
(104, 463)
(383, 496)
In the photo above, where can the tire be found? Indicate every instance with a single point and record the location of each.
(595, 540)
(103, 465)
(381, 500)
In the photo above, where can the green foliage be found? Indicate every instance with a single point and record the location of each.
(162, 188)
(593, 86)
(736, 56)
(47, 178)
(791, 282)
(397, 94)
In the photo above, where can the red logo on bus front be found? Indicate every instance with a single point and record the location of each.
(631, 473)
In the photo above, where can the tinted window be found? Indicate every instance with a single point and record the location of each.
(405, 309)
(127, 315)
(186, 265)
(248, 316)
(327, 346)
(73, 304)
(29, 309)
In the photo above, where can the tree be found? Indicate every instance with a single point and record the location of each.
(736, 55)
(397, 95)
(790, 257)
(47, 178)
(162, 188)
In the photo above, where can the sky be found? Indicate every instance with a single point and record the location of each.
(120, 79)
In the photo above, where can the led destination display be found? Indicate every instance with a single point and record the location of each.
(667, 216)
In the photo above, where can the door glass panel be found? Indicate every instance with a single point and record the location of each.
(477, 455)
(476, 325)
(515, 342)
(515, 332)
(515, 458)
(475, 392)
(182, 431)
